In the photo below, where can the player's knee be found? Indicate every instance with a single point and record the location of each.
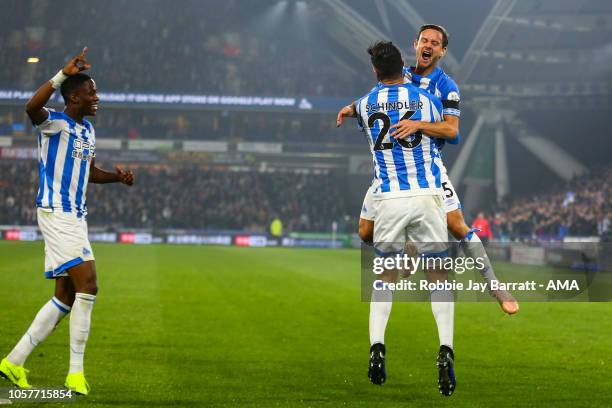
(64, 291)
(84, 279)
(90, 287)
(68, 299)
(366, 231)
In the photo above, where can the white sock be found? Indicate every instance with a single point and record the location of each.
(80, 320)
(46, 320)
(443, 308)
(474, 248)
(380, 309)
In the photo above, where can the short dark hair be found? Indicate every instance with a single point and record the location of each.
(438, 28)
(72, 84)
(386, 59)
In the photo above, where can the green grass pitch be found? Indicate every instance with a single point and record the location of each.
(215, 326)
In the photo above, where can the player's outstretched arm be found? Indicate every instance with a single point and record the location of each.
(35, 107)
(447, 129)
(99, 176)
(347, 111)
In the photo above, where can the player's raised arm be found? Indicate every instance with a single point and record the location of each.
(35, 107)
(99, 176)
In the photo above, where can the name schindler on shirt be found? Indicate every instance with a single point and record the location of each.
(412, 105)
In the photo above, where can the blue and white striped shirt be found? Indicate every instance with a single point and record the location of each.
(437, 83)
(440, 84)
(65, 150)
(401, 167)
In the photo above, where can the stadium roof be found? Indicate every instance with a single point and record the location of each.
(504, 47)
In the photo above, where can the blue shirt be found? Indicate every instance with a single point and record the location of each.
(65, 151)
(401, 167)
(441, 85)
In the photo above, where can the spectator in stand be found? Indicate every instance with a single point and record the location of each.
(171, 124)
(484, 229)
(580, 208)
(213, 53)
(192, 197)
(226, 199)
(276, 227)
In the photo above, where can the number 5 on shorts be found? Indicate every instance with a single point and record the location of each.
(448, 192)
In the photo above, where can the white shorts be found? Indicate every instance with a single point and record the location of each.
(66, 241)
(417, 219)
(367, 209)
(451, 200)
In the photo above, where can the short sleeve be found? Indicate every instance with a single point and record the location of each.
(450, 96)
(52, 125)
(358, 110)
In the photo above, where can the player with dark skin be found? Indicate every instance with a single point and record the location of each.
(83, 102)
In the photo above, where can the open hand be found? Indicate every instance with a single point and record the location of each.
(125, 176)
(404, 128)
(77, 64)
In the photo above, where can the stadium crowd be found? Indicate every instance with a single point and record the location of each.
(198, 197)
(233, 54)
(171, 124)
(581, 208)
(190, 197)
(244, 50)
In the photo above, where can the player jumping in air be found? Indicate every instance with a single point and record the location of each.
(430, 46)
(66, 148)
(407, 199)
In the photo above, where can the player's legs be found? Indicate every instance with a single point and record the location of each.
(69, 258)
(454, 215)
(443, 308)
(456, 224)
(366, 219)
(472, 245)
(64, 290)
(474, 248)
(389, 238)
(381, 301)
(62, 248)
(430, 234)
(83, 277)
(366, 230)
(380, 310)
(46, 320)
